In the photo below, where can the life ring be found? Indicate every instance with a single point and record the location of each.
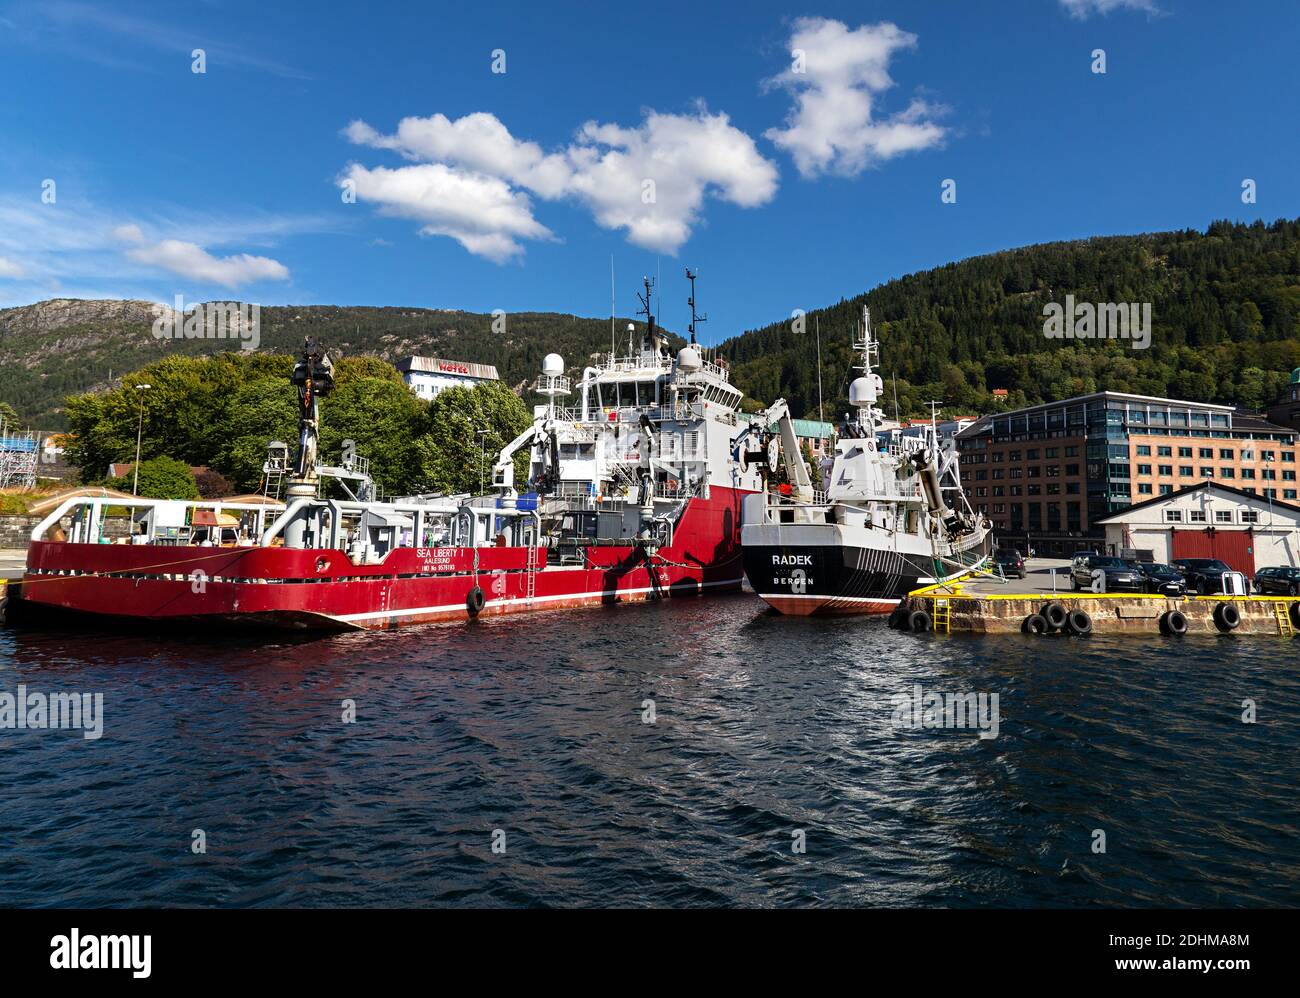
(474, 601)
(1055, 615)
(1035, 623)
(1079, 623)
(1174, 623)
(1227, 617)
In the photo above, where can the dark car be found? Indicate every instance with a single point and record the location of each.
(1279, 581)
(1163, 580)
(1010, 562)
(1120, 576)
(1204, 575)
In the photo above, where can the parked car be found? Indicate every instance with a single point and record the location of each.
(1279, 581)
(1120, 576)
(1205, 575)
(1009, 560)
(1162, 580)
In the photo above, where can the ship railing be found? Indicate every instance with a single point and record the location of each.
(89, 513)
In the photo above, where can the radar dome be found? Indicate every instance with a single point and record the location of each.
(688, 360)
(553, 365)
(862, 392)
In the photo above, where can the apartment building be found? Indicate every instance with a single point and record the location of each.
(1045, 474)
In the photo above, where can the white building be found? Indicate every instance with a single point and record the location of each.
(430, 375)
(1209, 520)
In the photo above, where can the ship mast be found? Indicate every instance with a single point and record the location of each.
(870, 418)
(314, 377)
(691, 302)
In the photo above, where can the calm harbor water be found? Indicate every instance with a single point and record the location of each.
(763, 725)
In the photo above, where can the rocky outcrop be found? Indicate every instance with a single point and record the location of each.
(57, 313)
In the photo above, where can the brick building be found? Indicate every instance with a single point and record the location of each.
(1046, 474)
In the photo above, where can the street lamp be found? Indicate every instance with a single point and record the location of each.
(139, 430)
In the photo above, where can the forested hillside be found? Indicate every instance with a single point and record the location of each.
(54, 349)
(1225, 317)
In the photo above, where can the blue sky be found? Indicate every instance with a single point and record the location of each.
(786, 187)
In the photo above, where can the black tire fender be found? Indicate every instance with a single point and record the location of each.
(1079, 623)
(919, 622)
(1173, 622)
(474, 601)
(1034, 624)
(1055, 614)
(1227, 617)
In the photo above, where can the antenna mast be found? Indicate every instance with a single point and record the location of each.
(817, 321)
(645, 309)
(691, 302)
(611, 307)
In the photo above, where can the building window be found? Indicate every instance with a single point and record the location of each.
(1165, 452)
(1166, 489)
(1144, 469)
(1196, 516)
(1247, 472)
(1144, 450)
(1173, 516)
(1144, 488)
(1225, 455)
(1223, 516)
(1250, 516)
(1185, 471)
(1167, 469)
(1184, 452)
(1288, 493)
(1227, 473)
(1207, 453)
(1207, 472)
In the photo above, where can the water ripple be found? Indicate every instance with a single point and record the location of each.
(764, 726)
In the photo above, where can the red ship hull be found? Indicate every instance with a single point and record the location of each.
(323, 589)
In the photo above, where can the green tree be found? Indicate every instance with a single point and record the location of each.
(162, 478)
(384, 419)
(257, 413)
(451, 455)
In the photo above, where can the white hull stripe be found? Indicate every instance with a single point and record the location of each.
(520, 601)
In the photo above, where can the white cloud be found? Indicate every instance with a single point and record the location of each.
(193, 261)
(76, 249)
(480, 212)
(10, 268)
(835, 126)
(1082, 9)
(650, 180)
